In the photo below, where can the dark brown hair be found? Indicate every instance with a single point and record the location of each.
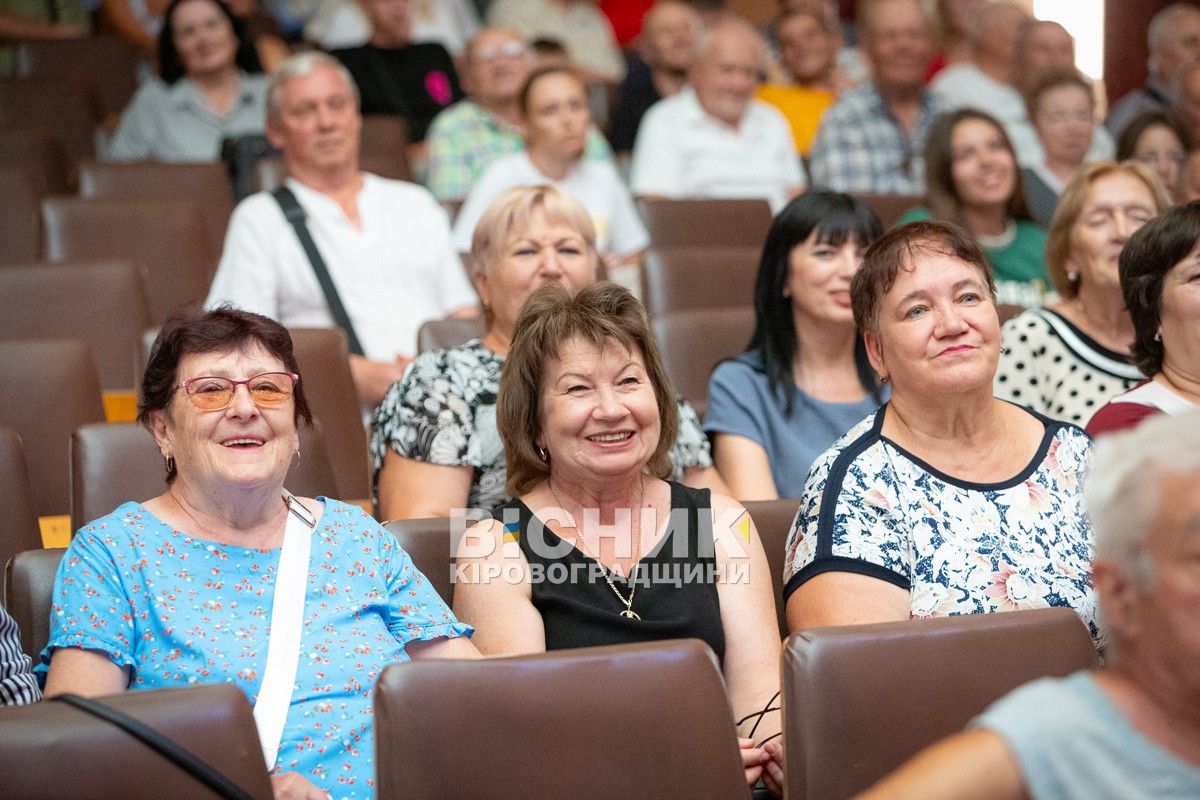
(1152, 252)
(222, 330)
(537, 75)
(601, 313)
(897, 250)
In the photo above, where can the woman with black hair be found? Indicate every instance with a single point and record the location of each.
(804, 379)
(209, 87)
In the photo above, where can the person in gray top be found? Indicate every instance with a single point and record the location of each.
(1132, 730)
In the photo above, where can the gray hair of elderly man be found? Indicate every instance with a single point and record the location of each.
(1122, 492)
(301, 64)
(705, 36)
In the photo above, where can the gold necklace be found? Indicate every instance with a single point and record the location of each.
(628, 613)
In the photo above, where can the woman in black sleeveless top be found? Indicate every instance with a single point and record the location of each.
(596, 548)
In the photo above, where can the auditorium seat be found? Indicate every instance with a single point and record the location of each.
(119, 462)
(430, 543)
(640, 720)
(773, 521)
(859, 700)
(48, 388)
(324, 362)
(28, 590)
(38, 150)
(168, 240)
(206, 184)
(693, 342)
(891, 207)
(20, 530)
(706, 222)
(20, 224)
(106, 64)
(65, 109)
(102, 303)
(384, 147)
(51, 750)
(438, 334)
(684, 277)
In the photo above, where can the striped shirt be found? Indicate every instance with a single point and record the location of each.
(17, 684)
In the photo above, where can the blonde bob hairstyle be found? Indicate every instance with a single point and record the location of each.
(602, 313)
(1070, 206)
(510, 216)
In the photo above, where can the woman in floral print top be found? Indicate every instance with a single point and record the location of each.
(179, 589)
(947, 500)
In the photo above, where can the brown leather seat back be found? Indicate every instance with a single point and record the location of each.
(706, 222)
(48, 388)
(100, 303)
(694, 342)
(65, 109)
(28, 589)
(891, 207)
(324, 360)
(106, 64)
(20, 530)
(206, 184)
(20, 224)
(51, 750)
(643, 720)
(384, 148)
(438, 334)
(860, 700)
(40, 151)
(686, 277)
(773, 521)
(167, 240)
(429, 543)
(119, 462)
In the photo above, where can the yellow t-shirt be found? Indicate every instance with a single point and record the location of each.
(802, 107)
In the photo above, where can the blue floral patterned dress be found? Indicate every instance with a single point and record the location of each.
(872, 508)
(177, 610)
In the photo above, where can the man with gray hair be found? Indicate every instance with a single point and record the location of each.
(713, 139)
(1132, 730)
(1173, 39)
(386, 244)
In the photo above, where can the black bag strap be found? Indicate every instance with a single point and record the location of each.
(295, 215)
(171, 750)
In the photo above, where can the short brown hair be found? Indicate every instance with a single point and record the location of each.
(537, 75)
(1070, 206)
(1151, 253)
(601, 313)
(1052, 79)
(222, 330)
(897, 250)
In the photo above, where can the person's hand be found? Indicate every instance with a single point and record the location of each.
(372, 379)
(773, 770)
(754, 760)
(294, 786)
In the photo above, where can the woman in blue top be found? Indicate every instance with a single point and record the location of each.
(804, 379)
(183, 588)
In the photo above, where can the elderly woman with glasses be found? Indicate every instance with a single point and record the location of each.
(227, 577)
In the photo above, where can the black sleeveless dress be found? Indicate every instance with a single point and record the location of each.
(676, 584)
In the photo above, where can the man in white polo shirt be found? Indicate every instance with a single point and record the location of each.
(386, 243)
(713, 139)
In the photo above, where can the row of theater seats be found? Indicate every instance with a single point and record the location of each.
(649, 720)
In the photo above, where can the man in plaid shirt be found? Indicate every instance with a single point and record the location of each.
(873, 139)
(469, 135)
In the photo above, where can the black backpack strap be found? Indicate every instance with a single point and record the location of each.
(295, 215)
(174, 752)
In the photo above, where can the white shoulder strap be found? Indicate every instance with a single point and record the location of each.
(287, 617)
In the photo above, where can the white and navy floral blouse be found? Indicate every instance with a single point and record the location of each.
(872, 508)
(443, 411)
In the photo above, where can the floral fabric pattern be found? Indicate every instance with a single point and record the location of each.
(177, 610)
(443, 411)
(872, 508)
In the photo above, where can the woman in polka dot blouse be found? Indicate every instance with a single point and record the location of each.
(1068, 359)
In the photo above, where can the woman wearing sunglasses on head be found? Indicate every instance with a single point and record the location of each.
(201, 583)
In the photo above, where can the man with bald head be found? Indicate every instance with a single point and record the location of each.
(666, 49)
(873, 138)
(713, 139)
(1173, 39)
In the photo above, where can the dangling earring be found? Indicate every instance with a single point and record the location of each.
(1158, 336)
(543, 455)
(169, 462)
(297, 455)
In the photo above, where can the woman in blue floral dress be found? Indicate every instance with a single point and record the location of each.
(947, 500)
(201, 583)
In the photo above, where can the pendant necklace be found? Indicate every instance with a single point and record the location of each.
(628, 613)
